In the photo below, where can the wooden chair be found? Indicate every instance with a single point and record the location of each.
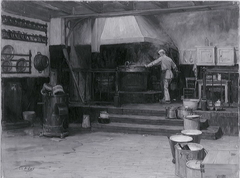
(190, 90)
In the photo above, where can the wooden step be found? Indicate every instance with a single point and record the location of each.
(139, 119)
(164, 130)
(211, 133)
(142, 112)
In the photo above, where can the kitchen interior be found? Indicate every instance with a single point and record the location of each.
(72, 68)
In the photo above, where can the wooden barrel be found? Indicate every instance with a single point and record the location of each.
(196, 152)
(195, 134)
(174, 139)
(193, 169)
(192, 122)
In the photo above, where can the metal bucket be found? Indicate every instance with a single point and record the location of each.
(193, 169)
(195, 134)
(192, 122)
(183, 112)
(196, 152)
(174, 139)
(171, 112)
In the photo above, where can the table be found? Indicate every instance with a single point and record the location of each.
(214, 83)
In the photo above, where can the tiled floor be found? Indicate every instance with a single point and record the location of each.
(92, 155)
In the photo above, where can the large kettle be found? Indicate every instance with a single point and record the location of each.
(41, 62)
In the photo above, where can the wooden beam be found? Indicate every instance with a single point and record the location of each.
(197, 3)
(92, 6)
(155, 11)
(161, 4)
(127, 5)
(44, 5)
(24, 9)
(60, 5)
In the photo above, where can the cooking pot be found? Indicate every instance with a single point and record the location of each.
(41, 62)
(183, 112)
(130, 67)
(171, 112)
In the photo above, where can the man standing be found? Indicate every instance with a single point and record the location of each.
(166, 77)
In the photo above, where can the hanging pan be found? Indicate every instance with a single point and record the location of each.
(41, 62)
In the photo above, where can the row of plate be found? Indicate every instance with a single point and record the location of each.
(8, 20)
(17, 35)
(7, 55)
(20, 65)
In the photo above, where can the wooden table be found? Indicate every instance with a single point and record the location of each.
(214, 83)
(220, 164)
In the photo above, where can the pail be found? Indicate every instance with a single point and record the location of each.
(193, 169)
(196, 152)
(192, 122)
(171, 112)
(29, 116)
(195, 134)
(174, 139)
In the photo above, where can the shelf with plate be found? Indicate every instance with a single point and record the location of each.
(21, 36)
(16, 63)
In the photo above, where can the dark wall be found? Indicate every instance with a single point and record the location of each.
(21, 94)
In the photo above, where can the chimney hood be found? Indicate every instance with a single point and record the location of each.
(132, 29)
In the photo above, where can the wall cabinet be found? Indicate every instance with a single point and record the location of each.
(225, 56)
(206, 56)
(188, 56)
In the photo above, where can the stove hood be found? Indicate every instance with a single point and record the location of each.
(132, 29)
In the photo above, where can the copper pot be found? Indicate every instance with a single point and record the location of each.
(41, 62)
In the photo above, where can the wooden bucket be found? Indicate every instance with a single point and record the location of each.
(196, 152)
(192, 122)
(195, 134)
(193, 169)
(174, 139)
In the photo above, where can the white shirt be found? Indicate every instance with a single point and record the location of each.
(166, 65)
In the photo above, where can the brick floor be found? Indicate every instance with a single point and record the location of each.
(92, 155)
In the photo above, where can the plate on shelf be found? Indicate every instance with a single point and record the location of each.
(6, 66)
(21, 65)
(7, 52)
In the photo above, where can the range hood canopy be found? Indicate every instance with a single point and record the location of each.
(132, 29)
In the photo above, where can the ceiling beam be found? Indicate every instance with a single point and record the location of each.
(155, 11)
(161, 4)
(127, 5)
(45, 4)
(197, 3)
(91, 6)
(26, 10)
(60, 5)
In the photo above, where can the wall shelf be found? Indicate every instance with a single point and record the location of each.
(12, 66)
(21, 36)
(22, 23)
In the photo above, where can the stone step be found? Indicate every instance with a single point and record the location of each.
(139, 119)
(212, 132)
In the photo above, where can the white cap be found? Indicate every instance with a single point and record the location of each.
(161, 51)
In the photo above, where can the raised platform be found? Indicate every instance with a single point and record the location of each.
(150, 119)
(139, 97)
